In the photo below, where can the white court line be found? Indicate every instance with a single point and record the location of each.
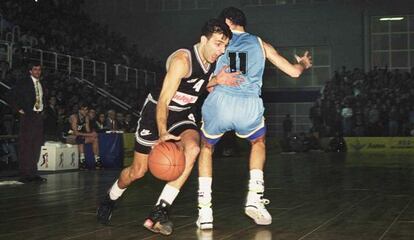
(333, 218)
(395, 220)
(3, 183)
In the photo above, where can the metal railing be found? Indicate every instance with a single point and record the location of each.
(85, 68)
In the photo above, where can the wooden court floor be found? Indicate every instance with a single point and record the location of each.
(313, 196)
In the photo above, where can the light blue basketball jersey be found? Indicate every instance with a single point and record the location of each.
(237, 108)
(245, 54)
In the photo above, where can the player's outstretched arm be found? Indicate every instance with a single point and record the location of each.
(293, 70)
(178, 68)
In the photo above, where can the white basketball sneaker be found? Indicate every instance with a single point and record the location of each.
(205, 218)
(258, 212)
(255, 204)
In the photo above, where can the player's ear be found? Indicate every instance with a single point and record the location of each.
(228, 22)
(203, 40)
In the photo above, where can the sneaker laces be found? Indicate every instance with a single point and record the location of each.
(264, 201)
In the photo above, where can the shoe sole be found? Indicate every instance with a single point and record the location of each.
(252, 213)
(157, 228)
(204, 226)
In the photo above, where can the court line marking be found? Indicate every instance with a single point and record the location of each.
(333, 218)
(396, 219)
(6, 183)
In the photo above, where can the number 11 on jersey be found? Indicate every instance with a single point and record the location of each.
(241, 59)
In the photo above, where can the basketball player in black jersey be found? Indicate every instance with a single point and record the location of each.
(189, 73)
(80, 133)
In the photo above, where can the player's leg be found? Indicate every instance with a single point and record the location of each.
(252, 127)
(216, 120)
(255, 203)
(95, 149)
(145, 137)
(82, 161)
(205, 173)
(135, 171)
(158, 220)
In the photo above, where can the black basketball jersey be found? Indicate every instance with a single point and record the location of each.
(80, 126)
(192, 87)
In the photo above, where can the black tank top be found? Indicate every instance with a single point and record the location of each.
(192, 87)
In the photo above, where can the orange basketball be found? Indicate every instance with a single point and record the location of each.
(166, 161)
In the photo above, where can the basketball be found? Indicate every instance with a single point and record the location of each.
(166, 161)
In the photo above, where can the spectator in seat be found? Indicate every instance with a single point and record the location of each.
(100, 122)
(120, 121)
(111, 122)
(129, 124)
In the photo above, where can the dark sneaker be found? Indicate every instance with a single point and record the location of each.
(98, 164)
(158, 221)
(104, 212)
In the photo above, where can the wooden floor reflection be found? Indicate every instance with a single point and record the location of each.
(313, 196)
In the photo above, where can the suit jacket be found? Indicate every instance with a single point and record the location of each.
(25, 95)
(111, 126)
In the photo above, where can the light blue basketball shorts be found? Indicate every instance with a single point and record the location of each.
(222, 112)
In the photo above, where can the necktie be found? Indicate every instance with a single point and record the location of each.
(37, 103)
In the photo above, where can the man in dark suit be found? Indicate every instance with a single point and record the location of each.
(29, 100)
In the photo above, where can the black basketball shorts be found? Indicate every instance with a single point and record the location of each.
(147, 130)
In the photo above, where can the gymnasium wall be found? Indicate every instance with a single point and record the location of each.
(340, 25)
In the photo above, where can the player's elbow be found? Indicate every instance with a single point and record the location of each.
(295, 73)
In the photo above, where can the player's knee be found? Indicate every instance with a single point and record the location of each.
(192, 151)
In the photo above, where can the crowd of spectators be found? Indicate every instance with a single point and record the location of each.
(62, 26)
(64, 95)
(354, 103)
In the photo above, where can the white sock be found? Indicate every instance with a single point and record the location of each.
(256, 175)
(82, 157)
(168, 194)
(256, 185)
(97, 158)
(204, 191)
(115, 192)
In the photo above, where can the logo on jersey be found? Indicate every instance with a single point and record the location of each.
(191, 117)
(192, 80)
(183, 98)
(145, 132)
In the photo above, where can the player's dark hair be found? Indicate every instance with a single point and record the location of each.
(216, 26)
(235, 15)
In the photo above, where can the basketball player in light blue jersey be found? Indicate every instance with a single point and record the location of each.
(240, 108)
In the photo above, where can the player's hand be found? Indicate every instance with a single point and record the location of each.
(167, 136)
(229, 78)
(305, 60)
